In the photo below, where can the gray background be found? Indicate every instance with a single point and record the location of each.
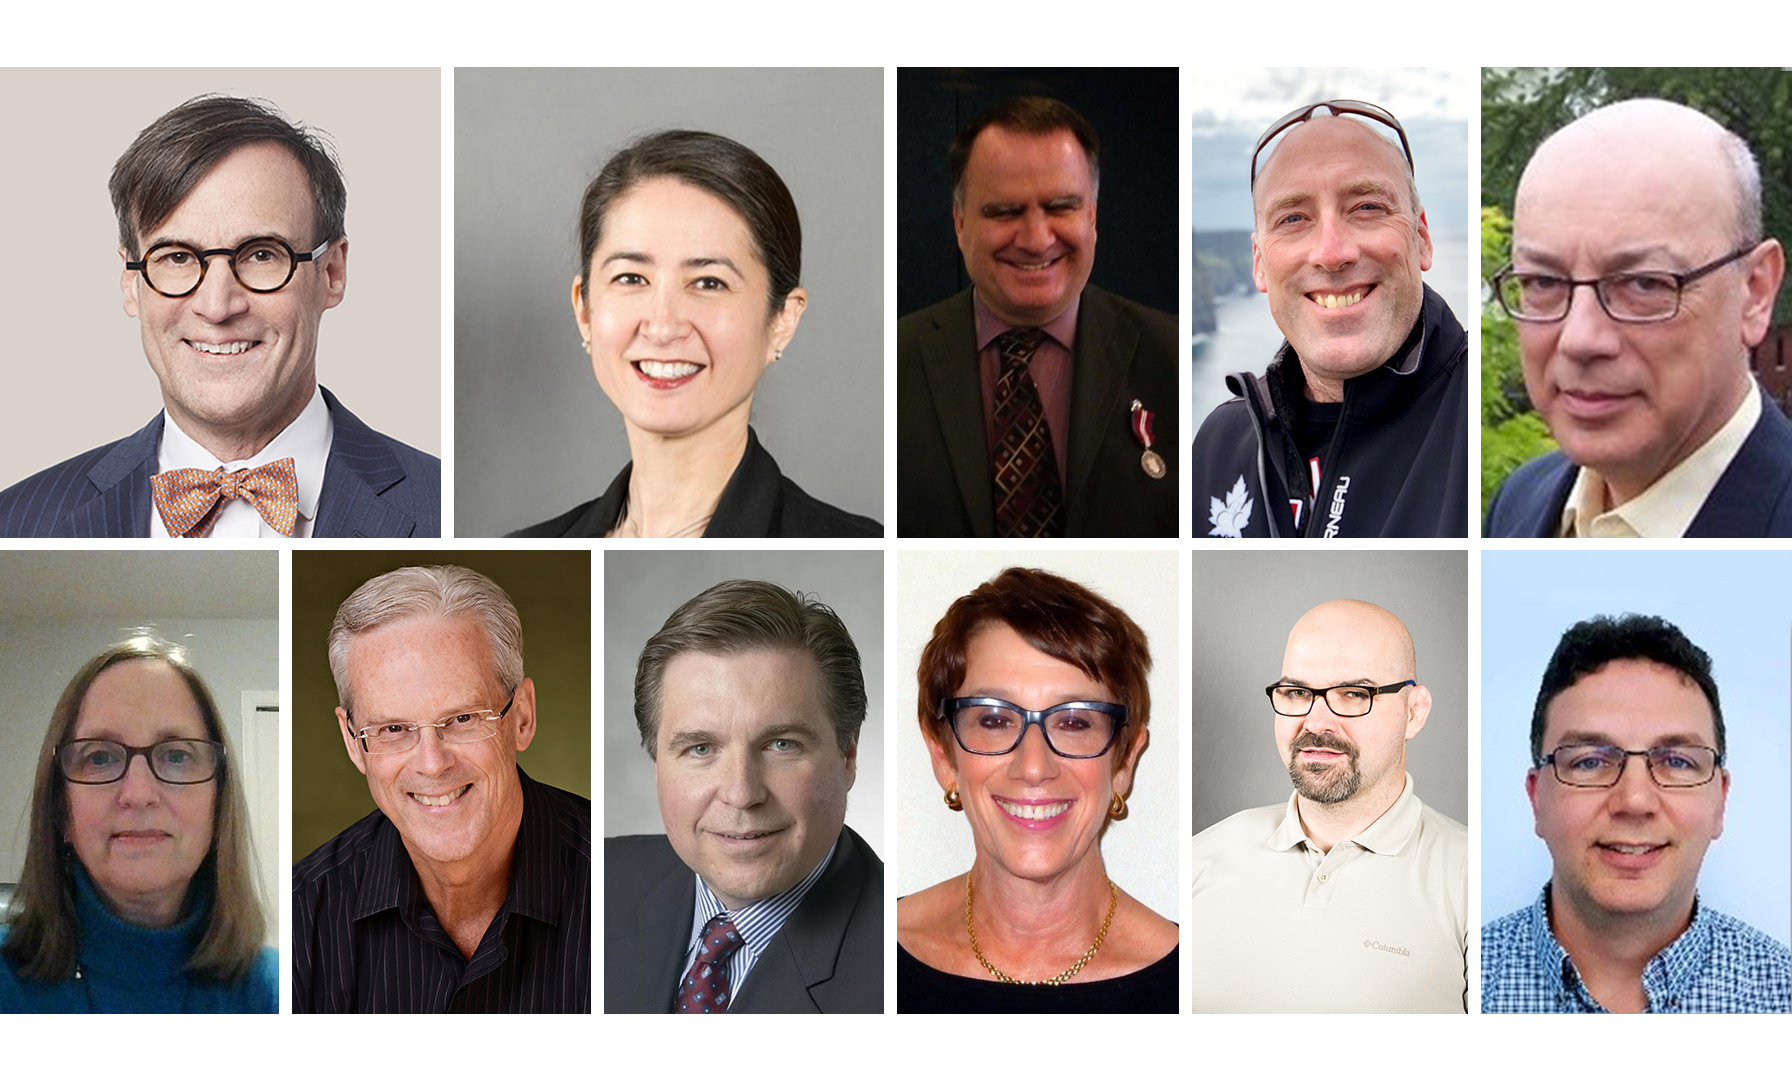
(642, 588)
(1245, 604)
(534, 436)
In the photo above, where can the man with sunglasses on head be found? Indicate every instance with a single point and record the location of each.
(1628, 787)
(1352, 896)
(1643, 375)
(230, 224)
(1359, 425)
(469, 888)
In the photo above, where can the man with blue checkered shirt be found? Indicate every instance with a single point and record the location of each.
(1628, 789)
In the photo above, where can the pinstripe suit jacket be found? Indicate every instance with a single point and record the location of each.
(373, 486)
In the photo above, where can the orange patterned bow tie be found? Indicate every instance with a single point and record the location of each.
(189, 499)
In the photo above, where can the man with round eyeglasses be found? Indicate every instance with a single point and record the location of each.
(231, 235)
(1628, 788)
(469, 888)
(1640, 281)
(1352, 896)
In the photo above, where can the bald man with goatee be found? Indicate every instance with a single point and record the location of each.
(1352, 896)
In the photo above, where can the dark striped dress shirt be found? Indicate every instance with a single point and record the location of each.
(365, 940)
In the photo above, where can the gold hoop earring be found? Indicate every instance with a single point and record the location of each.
(1117, 806)
(953, 802)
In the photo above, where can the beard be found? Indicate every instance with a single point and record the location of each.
(1324, 783)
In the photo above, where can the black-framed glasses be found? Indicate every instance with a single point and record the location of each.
(396, 737)
(1634, 296)
(1288, 699)
(263, 265)
(1338, 108)
(172, 761)
(1591, 766)
(1074, 729)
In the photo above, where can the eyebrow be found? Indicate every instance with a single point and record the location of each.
(162, 735)
(159, 240)
(1600, 738)
(1613, 262)
(1360, 681)
(697, 262)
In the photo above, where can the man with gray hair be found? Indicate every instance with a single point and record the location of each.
(758, 898)
(1644, 379)
(469, 889)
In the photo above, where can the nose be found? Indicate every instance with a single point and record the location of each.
(743, 782)
(1032, 762)
(1636, 792)
(1320, 718)
(1335, 245)
(139, 786)
(1035, 233)
(1587, 332)
(664, 322)
(431, 756)
(220, 296)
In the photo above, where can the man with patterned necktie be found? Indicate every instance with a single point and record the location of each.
(758, 898)
(230, 223)
(1033, 404)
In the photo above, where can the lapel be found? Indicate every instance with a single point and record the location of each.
(804, 953)
(644, 965)
(949, 362)
(1750, 490)
(1105, 345)
(120, 504)
(361, 468)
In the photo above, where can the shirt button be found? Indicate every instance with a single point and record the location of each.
(1324, 877)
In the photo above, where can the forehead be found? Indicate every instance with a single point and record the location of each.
(1005, 163)
(664, 216)
(1330, 152)
(1606, 191)
(999, 659)
(1633, 703)
(259, 189)
(1342, 644)
(740, 693)
(421, 665)
(138, 700)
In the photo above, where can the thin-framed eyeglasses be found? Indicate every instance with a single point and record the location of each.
(395, 737)
(1338, 108)
(1634, 296)
(172, 761)
(1073, 729)
(1589, 766)
(263, 265)
(1287, 699)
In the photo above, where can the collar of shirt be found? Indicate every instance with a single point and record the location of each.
(1391, 832)
(1666, 508)
(1666, 978)
(758, 923)
(306, 440)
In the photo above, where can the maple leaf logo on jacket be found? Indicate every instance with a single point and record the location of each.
(1232, 517)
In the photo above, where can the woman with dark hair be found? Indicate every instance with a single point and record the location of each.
(137, 893)
(1036, 924)
(690, 256)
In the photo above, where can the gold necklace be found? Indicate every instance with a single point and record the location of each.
(1063, 976)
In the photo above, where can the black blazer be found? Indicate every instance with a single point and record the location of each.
(829, 958)
(1752, 498)
(758, 501)
(945, 479)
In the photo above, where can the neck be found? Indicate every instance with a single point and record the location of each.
(467, 893)
(1329, 824)
(240, 441)
(678, 480)
(1321, 389)
(1611, 950)
(1036, 929)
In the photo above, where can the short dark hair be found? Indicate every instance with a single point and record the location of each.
(745, 616)
(1062, 619)
(1591, 644)
(1029, 116)
(721, 167)
(170, 157)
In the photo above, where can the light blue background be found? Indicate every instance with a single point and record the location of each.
(1735, 605)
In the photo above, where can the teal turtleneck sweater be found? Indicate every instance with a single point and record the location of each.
(124, 968)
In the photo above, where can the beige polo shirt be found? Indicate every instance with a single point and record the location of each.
(1377, 925)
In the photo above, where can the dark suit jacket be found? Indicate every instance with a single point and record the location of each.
(945, 479)
(373, 486)
(758, 501)
(828, 958)
(1752, 498)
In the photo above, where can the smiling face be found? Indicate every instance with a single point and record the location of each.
(673, 305)
(236, 367)
(1333, 759)
(1638, 189)
(1026, 223)
(456, 805)
(1339, 247)
(752, 782)
(1033, 814)
(140, 839)
(1633, 849)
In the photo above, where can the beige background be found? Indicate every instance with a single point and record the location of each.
(77, 356)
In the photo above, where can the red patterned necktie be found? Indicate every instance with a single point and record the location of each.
(705, 987)
(1029, 495)
(189, 499)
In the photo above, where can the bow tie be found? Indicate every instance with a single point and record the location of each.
(189, 499)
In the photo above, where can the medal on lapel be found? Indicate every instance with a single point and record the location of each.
(1150, 460)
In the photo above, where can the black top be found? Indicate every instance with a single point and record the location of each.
(922, 989)
(364, 938)
(758, 501)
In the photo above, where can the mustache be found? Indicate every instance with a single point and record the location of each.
(1319, 740)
